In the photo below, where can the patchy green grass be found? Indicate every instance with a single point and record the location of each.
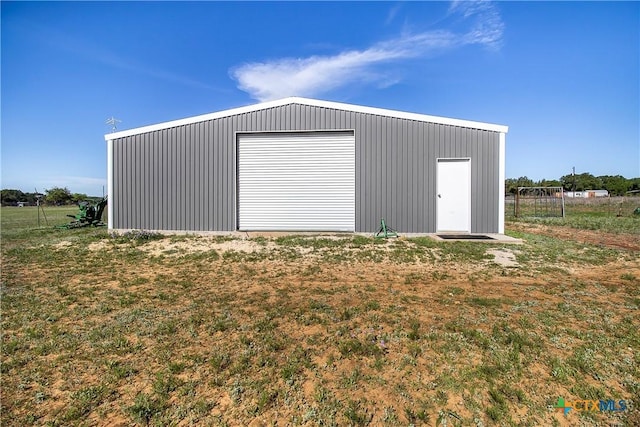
(304, 330)
(609, 224)
(613, 215)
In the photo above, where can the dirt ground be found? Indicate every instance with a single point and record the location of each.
(611, 240)
(272, 315)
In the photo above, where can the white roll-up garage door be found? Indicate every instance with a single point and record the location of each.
(296, 181)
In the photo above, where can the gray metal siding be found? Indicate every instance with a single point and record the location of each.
(184, 178)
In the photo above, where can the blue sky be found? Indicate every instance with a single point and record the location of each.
(564, 76)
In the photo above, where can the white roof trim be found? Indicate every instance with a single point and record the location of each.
(314, 103)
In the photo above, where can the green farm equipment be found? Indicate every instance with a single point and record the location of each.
(385, 231)
(90, 215)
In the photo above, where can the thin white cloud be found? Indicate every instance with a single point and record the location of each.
(392, 13)
(318, 74)
(487, 26)
(99, 53)
(115, 61)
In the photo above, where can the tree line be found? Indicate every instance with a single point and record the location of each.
(54, 196)
(616, 185)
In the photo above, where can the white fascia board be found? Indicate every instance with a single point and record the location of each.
(314, 103)
(110, 184)
(402, 114)
(501, 178)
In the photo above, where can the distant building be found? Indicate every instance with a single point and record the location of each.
(586, 194)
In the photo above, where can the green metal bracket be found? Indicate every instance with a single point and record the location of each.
(385, 231)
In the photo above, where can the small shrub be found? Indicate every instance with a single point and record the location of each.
(414, 350)
(84, 401)
(356, 415)
(137, 235)
(356, 347)
(145, 408)
(414, 330)
(120, 370)
(414, 416)
(347, 313)
(485, 302)
(266, 398)
(165, 383)
(371, 306)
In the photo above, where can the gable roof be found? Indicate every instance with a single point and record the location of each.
(313, 103)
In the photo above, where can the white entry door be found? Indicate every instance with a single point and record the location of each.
(454, 195)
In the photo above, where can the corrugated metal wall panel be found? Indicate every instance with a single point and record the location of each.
(302, 181)
(184, 178)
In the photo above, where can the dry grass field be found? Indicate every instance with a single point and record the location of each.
(144, 329)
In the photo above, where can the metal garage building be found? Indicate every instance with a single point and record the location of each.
(302, 164)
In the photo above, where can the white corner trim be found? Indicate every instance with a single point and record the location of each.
(110, 184)
(501, 178)
(313, 103)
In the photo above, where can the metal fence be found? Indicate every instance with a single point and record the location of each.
(618, 206)
(539, 202)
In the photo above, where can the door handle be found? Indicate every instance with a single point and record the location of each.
(439, 196)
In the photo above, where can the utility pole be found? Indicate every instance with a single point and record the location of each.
(573, 173)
